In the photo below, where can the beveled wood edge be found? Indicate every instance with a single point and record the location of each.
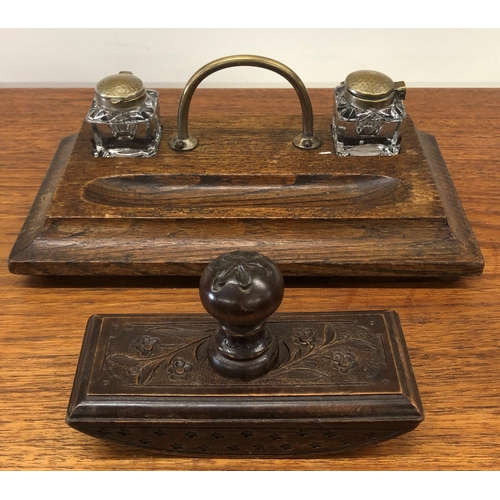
(84, 364)
(35, 220)
(120, 410)
(457, 218)
(402, 360)
(35, 262)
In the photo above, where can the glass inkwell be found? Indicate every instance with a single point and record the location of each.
(369, 115)
(125, 117)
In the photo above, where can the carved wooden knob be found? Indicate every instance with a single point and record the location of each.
(241, 290)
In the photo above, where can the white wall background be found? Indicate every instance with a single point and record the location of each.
(321, 57)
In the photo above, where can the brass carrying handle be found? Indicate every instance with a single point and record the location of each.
(184, 142)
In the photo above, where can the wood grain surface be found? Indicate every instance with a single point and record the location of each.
(452, 329)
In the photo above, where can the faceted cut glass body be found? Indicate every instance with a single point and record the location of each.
(126, 133)
(367, 132)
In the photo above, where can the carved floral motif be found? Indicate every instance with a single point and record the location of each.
(330, 353)
(341, 346)
(343, 362)
(304, 337)
(237, 267)
(179, 369)
(157, 352)
(147, 346)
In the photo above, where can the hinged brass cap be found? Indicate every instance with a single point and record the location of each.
(371, 89)
(121, 91)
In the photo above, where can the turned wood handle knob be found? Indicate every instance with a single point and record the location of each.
(241, 290)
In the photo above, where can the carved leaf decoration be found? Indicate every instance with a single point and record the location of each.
(118, 358)
(202, 352)
(312, 356)
(243, 277)
(147, 372)
(122, 359)
(146, 368)
(330, 333)
(344, 331)
(298, 355)
(223, 264)
(309, 364)
(220, 280)
(237, 268)
(356, 344)
(260, 266)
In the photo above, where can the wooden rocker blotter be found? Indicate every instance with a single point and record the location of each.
(251, 183)
(293, 385)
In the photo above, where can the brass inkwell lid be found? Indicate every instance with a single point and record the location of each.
(371, 89)
(121, 91)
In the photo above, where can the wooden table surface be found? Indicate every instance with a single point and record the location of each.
(452, 329)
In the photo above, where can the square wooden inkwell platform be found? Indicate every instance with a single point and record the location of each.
(337, 380)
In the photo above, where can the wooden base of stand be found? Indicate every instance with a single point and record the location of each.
(343, 380)
(247, 187)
